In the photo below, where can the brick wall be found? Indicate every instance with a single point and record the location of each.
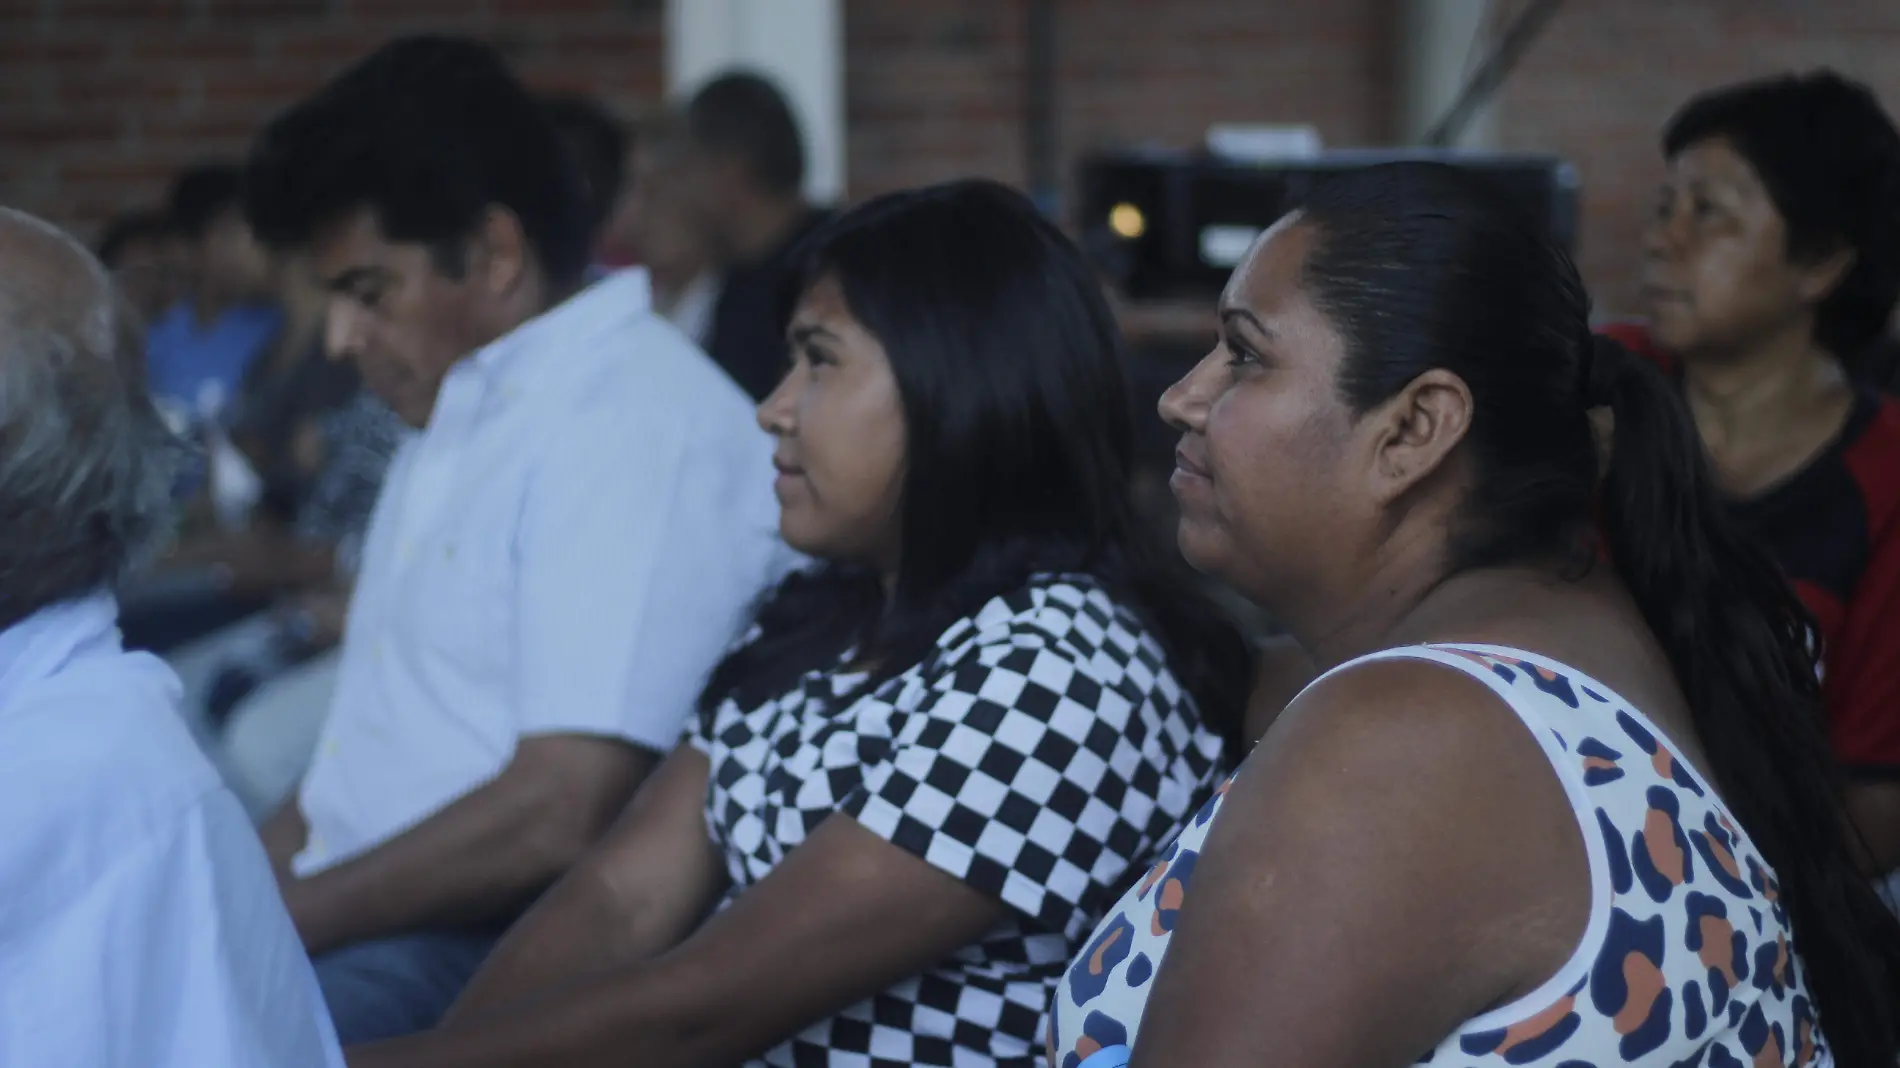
(1606, 75)
(935, 88)
(101, 99)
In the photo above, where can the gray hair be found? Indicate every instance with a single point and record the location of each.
(87, 465)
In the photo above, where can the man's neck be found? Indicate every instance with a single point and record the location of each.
(539, 297)
(758, 228)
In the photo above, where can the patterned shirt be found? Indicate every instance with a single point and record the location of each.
(359, 439)
(1040, 753)
(1688, 957)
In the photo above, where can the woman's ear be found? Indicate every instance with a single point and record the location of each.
(1416, 430)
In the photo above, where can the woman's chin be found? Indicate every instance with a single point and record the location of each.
(1204, 548)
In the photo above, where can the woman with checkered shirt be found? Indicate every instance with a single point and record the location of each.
(942, 749)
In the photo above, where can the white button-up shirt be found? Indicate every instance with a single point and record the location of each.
(567, 548)
(140, 925)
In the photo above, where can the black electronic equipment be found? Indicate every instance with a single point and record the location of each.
(1174, 225)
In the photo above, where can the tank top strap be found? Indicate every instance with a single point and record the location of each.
(1470, 662)
(1503, 671)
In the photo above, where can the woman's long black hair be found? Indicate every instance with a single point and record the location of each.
(1020, 443)
(1423, 266)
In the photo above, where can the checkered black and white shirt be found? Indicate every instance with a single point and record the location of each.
(1040, 753)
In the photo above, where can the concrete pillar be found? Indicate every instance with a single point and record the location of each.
(1441, 44)
(797, 43)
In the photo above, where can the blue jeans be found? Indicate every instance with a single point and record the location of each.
(398, 986)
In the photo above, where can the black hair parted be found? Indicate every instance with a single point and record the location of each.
(1019, 431)
(1422, 266)
(429, 133)
(1829, 157)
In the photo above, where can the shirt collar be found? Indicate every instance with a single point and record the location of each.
(41, 645)
(610, 302)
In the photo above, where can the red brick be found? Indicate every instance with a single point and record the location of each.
(265, 11)
(206, 45)
(614, 43)
(272, 84)
(142, 85)
(534, 10)
(416, 9)
(18, 48)
(139, 11)
(325, 49)
(43, 133)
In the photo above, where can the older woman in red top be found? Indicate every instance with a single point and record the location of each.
(1771, 264)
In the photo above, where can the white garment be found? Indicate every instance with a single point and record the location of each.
(272, 733)
(140, 924)
(568, 548)
(692, 310)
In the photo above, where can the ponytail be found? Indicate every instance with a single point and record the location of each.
(1744, 651)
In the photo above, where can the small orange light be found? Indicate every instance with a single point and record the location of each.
(1127, 221)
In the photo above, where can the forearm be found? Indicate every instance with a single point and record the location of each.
(284, 835)
(579, 928)
(481, 858)
(640, 1013)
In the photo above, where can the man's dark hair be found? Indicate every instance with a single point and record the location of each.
(746, 115)
(598, 143)
(129, 229)
(429, 132)
(1829, 158)
(201, 194)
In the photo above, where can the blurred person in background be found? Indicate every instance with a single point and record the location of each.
(275, 428)
(660, 223)
(144, 254)
(141, 928)
(199, 350)
(1771, 266)
(558, 558)
(596, 142)
(744, 170)
(943, 748)
(293, 468)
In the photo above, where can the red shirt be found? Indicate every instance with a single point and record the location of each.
(1834, 526)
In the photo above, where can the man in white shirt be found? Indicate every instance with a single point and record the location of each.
(138, 920)
(557, 561)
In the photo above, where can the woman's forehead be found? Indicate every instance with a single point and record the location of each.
(1268, 279)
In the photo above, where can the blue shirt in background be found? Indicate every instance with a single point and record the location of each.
(181, 357)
